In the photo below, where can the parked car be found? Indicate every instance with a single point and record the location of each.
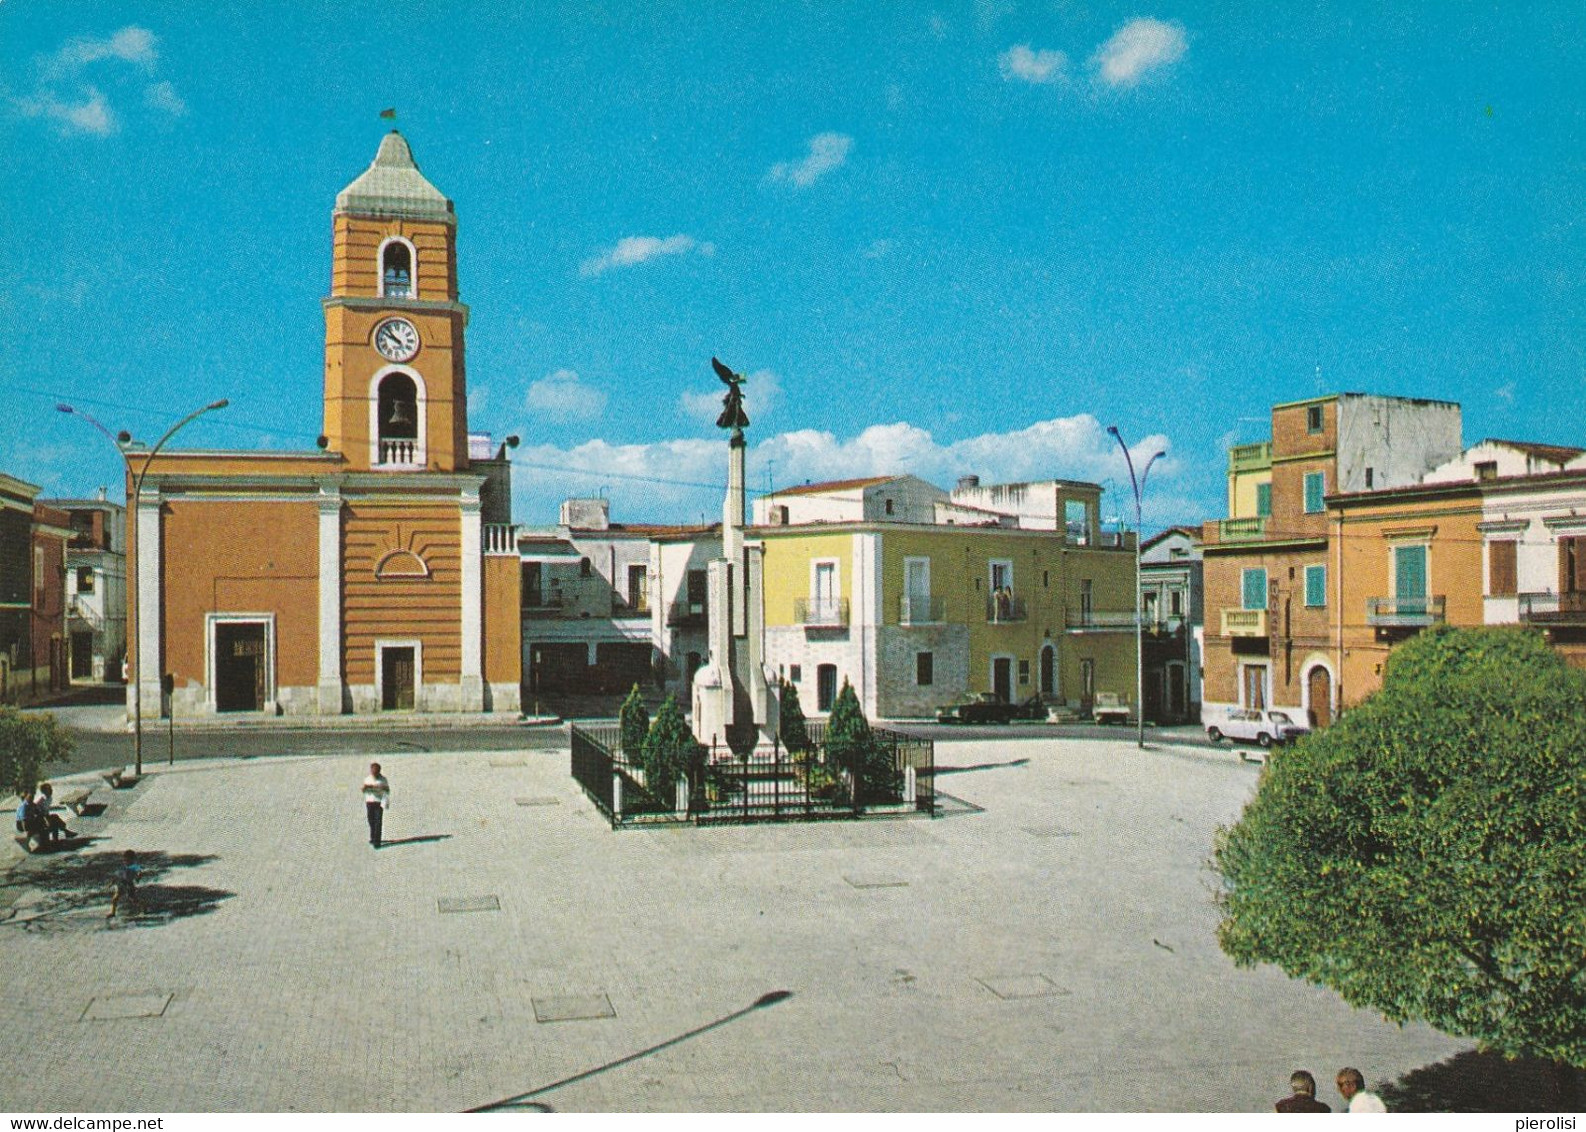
(1109, 708)
(988, 707)
(1260, 727)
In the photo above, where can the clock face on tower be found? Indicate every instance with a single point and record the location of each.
(397, 339)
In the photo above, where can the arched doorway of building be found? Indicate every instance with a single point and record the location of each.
(1049, 672)
(1319, 695)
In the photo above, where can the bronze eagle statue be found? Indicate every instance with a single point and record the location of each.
(732, 414)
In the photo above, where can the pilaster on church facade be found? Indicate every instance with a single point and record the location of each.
(354, 577)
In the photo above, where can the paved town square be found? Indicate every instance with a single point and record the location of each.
(1045, 944)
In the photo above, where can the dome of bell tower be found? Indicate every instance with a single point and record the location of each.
(393, 186)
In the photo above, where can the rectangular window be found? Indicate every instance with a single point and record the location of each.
(1313, 419)
(825, 686)
(1409, 578)
(1370, 475)
(1087, 600)
(1315, 586)
(639, 587)
(1255, 589)
(1076, 523)
(795, 673)
(1024, 672)
(1315, 488)
(1177, 601)
(1263, 499)
(1571, 565)
(916, 590)
(1501, 568)
(1487, 470)
(924, 668)
(85, 579)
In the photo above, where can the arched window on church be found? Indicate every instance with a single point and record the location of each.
(399, 419)
(396, 269)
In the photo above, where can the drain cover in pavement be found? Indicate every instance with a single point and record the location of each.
(111, 1006)
(468, 903)
(1021, 986)
(509, 762)
(572, 1008)
(538, 801)
(1048, 831)
(877, 882)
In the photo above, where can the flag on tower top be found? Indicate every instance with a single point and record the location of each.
(389, 112)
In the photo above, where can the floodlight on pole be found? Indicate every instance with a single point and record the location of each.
(122, 441)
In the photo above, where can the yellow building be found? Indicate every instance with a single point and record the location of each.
(915, 596)
(379, 573)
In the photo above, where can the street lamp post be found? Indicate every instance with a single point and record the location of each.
(1139, 621)
(121, 441)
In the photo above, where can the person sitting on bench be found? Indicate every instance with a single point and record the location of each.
(53, 821)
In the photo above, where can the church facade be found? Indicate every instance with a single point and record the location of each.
(376, 573)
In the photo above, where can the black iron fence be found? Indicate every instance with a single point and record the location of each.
(896, 775)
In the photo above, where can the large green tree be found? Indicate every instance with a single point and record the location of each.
(670, 751)
(27, 742)
(1426, 856)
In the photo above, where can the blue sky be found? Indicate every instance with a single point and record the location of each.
(950, 239)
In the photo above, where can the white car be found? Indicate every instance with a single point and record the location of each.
(1261, 727)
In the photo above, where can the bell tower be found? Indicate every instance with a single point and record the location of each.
(396, 399)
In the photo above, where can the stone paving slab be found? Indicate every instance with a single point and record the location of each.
(999, 969)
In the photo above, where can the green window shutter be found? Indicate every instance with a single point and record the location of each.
(1315, 488)
(1263, 499)
(1316, 585)
(1409, 578)
(1255, 586)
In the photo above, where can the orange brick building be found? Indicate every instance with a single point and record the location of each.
(379, 573)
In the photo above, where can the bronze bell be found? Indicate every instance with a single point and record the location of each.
(399, 414)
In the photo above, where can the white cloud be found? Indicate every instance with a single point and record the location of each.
(562, 397)
(130, 45)
(827, 152)
(671, 480)
(631, 250)
(762, 390)
(1023, 62)
(1136, 49)
(163, 96)
(93, 115)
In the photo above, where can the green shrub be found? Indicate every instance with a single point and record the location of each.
(27, 742)
(633, 722)
(791, 728)
(670, 752)
(853, 747)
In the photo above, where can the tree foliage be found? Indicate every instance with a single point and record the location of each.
(633, 723)
(795, 735)
(852, 746)
(27, 742)
(1426, 856)
(670, 751)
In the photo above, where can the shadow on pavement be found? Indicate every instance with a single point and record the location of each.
(386, 844)
(980, 766)
(77, 881)
(1487, 1082)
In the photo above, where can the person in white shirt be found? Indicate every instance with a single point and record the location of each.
(376, 800)
(1352, 1087)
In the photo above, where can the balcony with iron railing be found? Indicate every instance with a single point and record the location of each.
(1005, 609)
(1404, 612)
(821, 612)
(1100, 620)
(1549, 609)
(1244, 622)
(685, 614)
(918, 609)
